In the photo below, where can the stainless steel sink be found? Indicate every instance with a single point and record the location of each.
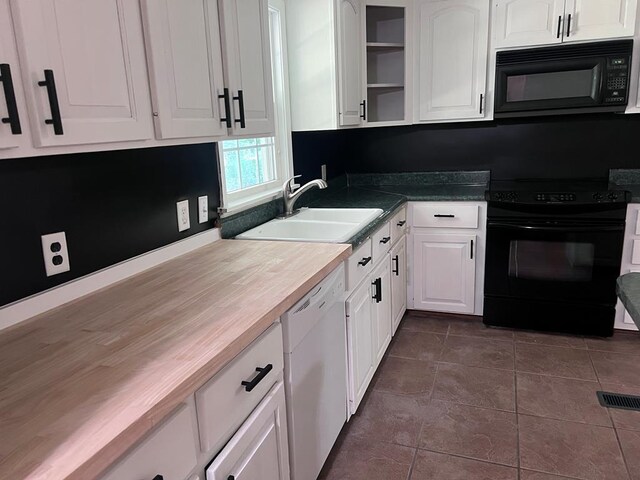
(328, 225)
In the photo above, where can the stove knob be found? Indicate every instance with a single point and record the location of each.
(598, 196)
(612, 196)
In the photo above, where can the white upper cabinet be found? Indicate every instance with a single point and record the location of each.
(247, 65)
(528, 22)
(185, 67)
(350, 48)
(452, 58)
(596, 19)
(11, 120)
(84, 71)
(520, 23)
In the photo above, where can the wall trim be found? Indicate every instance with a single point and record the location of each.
(29, 307)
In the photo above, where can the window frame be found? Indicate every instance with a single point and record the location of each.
(233, 202)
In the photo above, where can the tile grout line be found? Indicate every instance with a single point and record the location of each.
(458, 455)
(413, 463)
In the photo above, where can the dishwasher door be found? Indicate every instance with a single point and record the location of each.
(315, 364)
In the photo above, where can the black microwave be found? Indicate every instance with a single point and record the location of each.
(583, 78)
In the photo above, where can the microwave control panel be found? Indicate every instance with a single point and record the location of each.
(617, 80)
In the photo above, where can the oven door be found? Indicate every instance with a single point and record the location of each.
(557, 262)
(549, 85)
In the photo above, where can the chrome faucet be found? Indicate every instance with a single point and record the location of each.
(291, 192)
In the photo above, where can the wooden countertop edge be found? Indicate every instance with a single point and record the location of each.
(105, 457)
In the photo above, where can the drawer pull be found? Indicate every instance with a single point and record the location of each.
(227, 107)
(12, 118)
(441, 215)
(158, 477)
(396, 269)
(262, 372)
(231, 477)
(385, 240)
(401, 223)
(364, 261)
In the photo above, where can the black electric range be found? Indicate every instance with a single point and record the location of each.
(554, 250)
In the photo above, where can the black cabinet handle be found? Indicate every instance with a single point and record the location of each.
(158, 477)
(385, 239)
(13, 117)
(240, 99)
(377, 283)
(55, 120)
(231, 477)
(364, 261)
(559, 24)
(227, 108)
(396, 269)
(481, 102)
(471, 249)
(568, 25)
(440, 215)
(363, 104)
(262, 372)
(401, 223)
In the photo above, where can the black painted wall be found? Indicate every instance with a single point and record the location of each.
(543, 147)
(112, 206)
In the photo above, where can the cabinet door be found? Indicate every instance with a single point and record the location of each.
(94, 52)
(9, 82)
(350, 50)
(452, 58)
(259, 449)
(360, 339)
(247, 64)
(185, 67)
(595, 19)
(528, 22)
(398, 282)
(444, 272)
(381, 313)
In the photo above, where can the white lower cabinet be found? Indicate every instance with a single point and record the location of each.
(398, 282)
(259, 449)
(630, 261)
(447, 272)
(381, 312)
(446, 254)
(170, 451)
(360, 340)
(376, 304)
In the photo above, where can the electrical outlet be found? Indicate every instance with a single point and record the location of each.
(183, 215)
(203, 209)
(54, 251)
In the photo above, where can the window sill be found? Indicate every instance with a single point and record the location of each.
(249, 202)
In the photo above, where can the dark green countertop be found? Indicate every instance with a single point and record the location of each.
(628, 288)
(386, 191)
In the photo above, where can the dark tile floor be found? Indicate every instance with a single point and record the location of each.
(453, 400)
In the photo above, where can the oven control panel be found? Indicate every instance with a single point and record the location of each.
(608, 196)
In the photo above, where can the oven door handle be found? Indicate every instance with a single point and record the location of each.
(559, 228)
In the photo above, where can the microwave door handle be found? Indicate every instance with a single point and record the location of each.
(559, 228)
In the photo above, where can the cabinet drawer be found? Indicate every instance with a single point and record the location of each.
(398, 225)
(359, 264)
(445, 215)
(224, 403)
(380, 243)
(170, 451)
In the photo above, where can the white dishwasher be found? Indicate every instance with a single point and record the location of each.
(315, 369)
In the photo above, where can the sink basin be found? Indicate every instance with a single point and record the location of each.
(347, 215)
(327, 225)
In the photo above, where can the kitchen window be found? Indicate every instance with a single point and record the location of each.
(252, 170)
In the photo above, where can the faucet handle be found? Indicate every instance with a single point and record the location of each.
(291, 187)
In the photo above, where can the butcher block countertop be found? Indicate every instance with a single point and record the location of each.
(81, 384)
